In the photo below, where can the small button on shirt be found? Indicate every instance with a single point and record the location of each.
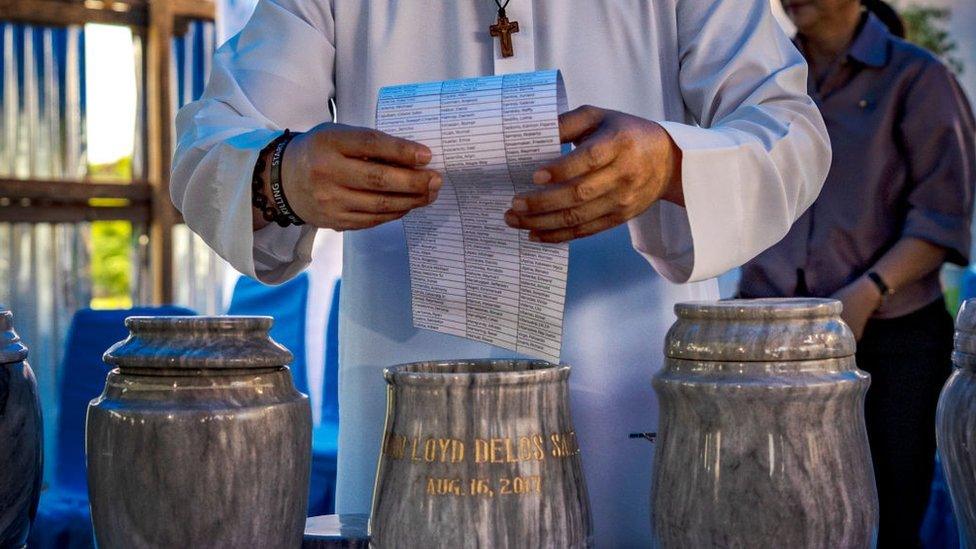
(903, 166)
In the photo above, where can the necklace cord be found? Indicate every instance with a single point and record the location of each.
(501, 7)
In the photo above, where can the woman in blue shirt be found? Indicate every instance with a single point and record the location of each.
(896, 205)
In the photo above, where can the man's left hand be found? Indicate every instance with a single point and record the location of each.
(621, 165)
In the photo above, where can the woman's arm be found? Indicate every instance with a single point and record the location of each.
(909, 260)
(936, 133)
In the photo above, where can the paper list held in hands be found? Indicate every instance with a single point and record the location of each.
(471, 275)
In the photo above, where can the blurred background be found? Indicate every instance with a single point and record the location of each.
(85, 219)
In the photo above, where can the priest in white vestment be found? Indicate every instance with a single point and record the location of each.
(700, 150)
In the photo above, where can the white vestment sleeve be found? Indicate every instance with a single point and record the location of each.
(276, 73)
(759, 154)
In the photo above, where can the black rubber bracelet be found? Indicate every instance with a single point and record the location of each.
(287, 216)
(880, 283)
(258, 200)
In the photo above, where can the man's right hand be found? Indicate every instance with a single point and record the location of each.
(343, 177)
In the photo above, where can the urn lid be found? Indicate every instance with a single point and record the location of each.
(965, 340)
(759, 330)
(197, 343)
(12, 349)
(470, 372)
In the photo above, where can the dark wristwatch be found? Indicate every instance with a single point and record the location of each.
(880, 283)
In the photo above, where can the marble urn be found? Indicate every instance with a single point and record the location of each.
(955, 426)
(199, 439)
(479, 453)
(762, 441)
(21, 438)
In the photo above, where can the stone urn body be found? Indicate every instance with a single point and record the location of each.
(479, 454)
(956, 426)
(762, 441)
(199, 438)
(21, 438)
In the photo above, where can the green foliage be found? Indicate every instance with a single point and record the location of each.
(120, 170)
(111, 246)
(111, 259)
(925, 26)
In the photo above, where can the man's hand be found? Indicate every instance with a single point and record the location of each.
(621, 165)
(861, 299)
(342, 177)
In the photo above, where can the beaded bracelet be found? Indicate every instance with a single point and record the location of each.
(279, 211)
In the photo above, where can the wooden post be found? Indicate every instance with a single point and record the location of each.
(156, 20)
(159, 147)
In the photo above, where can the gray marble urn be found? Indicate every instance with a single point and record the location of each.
(955, 426)
(762, 441)
(479, 453)
(199, 439)
(21, 438)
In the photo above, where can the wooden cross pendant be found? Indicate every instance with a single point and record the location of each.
(503, 30)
